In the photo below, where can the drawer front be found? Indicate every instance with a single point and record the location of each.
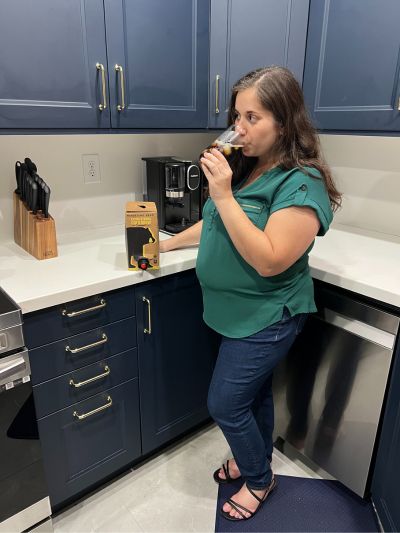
(60, 357)
(83, 383)
(79, 453)
(48, 325)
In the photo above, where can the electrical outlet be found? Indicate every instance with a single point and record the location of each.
(91, 168)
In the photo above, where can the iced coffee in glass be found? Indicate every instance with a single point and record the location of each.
(227, 142)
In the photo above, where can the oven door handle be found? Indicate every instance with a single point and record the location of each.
(14, 367)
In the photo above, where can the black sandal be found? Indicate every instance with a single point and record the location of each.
(228, 478)
(240, 508)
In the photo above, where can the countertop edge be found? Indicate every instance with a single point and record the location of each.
(134, 278)
(126, 280)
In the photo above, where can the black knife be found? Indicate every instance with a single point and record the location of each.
(30, 165)
(40, 195)
(46, 200)
(34, 196)
(29, 181)
(24, 175)
(18, 177)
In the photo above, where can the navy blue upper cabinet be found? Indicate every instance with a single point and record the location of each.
(249, 34)
(48, 74)
(158, 62)
(351, 77)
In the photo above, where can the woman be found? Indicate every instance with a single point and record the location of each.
(266, 206)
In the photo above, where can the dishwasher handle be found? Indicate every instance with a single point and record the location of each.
(356, 327)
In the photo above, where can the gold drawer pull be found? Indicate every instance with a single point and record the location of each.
(121, 106)
(90, 413)
(102, 304)
(100, 67)
(148, 329)
(103, 340)
(217, 78)
(87, 381)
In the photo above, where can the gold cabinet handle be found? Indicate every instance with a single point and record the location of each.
(102, 304)
(103, 340)
(121, 106)
(90, 380)
(217, 78)
(90, 413)
(148, 330)
(100, 67)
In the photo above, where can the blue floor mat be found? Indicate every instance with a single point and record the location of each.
(302, 504)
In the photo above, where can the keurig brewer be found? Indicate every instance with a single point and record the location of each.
(176, 187)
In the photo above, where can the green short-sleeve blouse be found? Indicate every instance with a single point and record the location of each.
(238, 302)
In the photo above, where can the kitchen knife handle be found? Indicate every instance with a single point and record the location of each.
(40, 184)
(100, 67)
(46, 200)
(30, 165)
(24, 176)
(121, 106)
(18, 176)
(34, 196)
(28, 191)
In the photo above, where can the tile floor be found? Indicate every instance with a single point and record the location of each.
(173, 492)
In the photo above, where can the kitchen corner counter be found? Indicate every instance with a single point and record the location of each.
(95, 261)
(361, 261)
(88, 262)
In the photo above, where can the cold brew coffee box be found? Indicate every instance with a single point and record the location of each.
(141, 232)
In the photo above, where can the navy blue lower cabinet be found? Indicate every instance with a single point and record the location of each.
(65, 390)
(57, 358)
(78, 316)
(176, 353)
(385, 481)
(90, 440)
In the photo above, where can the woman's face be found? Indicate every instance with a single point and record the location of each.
(257, 126)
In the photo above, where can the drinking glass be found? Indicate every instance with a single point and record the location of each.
(228, 141)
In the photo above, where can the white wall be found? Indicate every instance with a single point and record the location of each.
(367, 171)
(74, 204)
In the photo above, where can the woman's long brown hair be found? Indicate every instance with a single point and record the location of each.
(298, 146)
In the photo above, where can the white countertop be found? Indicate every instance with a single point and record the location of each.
(95, 261)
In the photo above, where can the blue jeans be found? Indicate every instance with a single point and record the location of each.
(240, 395)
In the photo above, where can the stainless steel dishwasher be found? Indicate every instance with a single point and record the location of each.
(330, 390)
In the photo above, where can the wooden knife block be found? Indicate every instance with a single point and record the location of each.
(34, 233)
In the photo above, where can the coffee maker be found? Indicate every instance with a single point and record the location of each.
(176, 187)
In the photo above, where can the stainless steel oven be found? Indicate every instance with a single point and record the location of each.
(24, 498)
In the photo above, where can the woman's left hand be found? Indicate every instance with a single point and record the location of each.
(218, 173)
